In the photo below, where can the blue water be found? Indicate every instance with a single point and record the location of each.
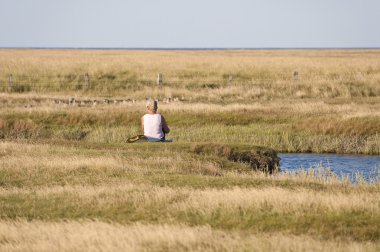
(342, 165)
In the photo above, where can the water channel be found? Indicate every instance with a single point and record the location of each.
(352, 166)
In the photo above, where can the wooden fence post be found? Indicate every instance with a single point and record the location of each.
(87, 82)
(159, 80)
(295, 76)
(10, 83)
(229, 80)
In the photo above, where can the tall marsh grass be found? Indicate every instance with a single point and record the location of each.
(59, 197)
(24, 235)
(332, 126)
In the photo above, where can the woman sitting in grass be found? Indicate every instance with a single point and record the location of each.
(153, 124)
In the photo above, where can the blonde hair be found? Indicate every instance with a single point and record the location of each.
(152, 105)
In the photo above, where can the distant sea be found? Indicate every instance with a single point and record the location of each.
(194, 48)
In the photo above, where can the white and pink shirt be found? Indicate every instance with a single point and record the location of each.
(153, 127)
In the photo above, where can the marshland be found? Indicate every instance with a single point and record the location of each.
(69, 181)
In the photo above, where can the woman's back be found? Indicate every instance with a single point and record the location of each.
(153, 127)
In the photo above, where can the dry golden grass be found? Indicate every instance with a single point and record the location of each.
(32, 158)
(56, 198)
(257, 74)
(99, 236)
(207, 201)
(287, 125)
(148, 63)
(29, 159)
(345, 108)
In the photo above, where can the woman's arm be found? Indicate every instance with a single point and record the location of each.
(142, 125)
(165, 127)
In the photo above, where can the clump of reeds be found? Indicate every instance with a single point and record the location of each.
(21, 129)
(258, 158)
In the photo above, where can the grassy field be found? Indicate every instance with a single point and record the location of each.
(198, 75)
(75, 196)
(69, 182)
(333, 126)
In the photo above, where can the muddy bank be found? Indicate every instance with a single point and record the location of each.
(259, 158)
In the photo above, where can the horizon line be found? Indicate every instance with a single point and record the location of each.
(193, 48)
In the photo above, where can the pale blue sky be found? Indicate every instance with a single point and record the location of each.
(195, 23)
